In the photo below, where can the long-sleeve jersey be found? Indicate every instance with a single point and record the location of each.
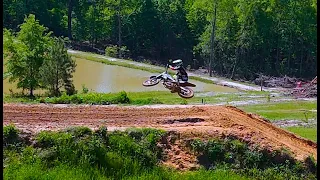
(181, 72)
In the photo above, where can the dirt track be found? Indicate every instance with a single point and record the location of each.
(191, 121)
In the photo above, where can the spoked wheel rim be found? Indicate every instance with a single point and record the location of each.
(186, 92)
(151, 82)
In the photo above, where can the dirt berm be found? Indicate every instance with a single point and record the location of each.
(190, 121)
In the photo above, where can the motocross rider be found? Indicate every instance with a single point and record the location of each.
(181, 76)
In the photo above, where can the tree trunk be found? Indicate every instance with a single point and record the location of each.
(26, 7)
(31, 92)
(119, 30)
(289, 58)
(56, 91)
(31, 77)
(94, 26)
(212, 39)
(277, 59)
(300, 69)
(235, 64)
(70, 5)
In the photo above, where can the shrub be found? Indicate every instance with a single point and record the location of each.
(89, 98)
(75, 146)
(112, 51)
(80, 145)
(78, 131)
(10, 133)
(254, 161)
(128, 147)
(102, 134)
(63, 99)
(215, 150)
(76, 99)
(46, 139)
(85, 90)
(311, 164)
(11, 137)
(122, 97)
(125, 52)
(197, 145)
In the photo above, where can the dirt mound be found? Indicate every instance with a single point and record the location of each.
(189, 121)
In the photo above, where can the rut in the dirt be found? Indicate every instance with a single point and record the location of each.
(184, 120)
(191, 121)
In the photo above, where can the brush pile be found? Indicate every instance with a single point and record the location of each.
(269, 81)
(305, 90)
(296, 87)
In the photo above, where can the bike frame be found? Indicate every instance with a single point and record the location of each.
(165, 75)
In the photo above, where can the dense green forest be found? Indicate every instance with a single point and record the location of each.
(275, 37)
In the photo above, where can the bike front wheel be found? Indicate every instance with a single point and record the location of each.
(152, 81)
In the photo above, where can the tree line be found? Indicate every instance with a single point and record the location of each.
(235, 38)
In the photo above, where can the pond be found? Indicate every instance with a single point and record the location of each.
(105, 78)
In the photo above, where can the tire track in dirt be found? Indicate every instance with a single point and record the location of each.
(191, 121)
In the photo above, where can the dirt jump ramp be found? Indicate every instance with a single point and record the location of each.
(190, 121)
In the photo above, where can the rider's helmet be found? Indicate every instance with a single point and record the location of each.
(177, 63)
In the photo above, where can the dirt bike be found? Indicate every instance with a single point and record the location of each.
(170, 83)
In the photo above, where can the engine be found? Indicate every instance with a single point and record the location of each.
(171, 86)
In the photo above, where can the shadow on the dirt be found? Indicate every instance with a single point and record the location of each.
(191, 120)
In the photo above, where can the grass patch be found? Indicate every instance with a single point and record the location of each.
(293, 110)
(166, 97)
(116, 63)
(62, 171)
(306, 132)
(133, 98)
(219, 173)
(201, 79)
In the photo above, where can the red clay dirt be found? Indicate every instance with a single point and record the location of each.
(190, 121)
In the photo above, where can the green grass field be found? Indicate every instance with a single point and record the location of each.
(292, 110)
(63, 171)
(306, 132)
